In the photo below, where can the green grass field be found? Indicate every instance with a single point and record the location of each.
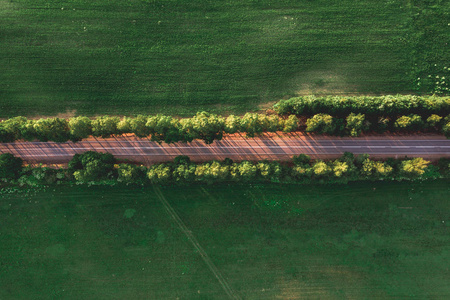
(358, 241)
(181, 56)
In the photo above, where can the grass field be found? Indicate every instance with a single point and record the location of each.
(365, 240)
(180, 56)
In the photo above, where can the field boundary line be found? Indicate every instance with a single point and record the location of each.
(195, 243)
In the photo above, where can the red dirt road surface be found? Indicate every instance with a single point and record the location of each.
(236, 147)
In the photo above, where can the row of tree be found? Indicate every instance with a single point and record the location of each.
(369, 105)
(209, 127)
(96, 167)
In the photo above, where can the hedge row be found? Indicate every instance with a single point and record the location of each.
(340, 106)
(209, 127)
(93, 167)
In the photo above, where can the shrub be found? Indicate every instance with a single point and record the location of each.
(413, 167)
(321, 123)
(356, 123)
(369, 105)
(205, 126)
(232, 124)
(291, 124)
(54, 129)
(434, 120)
(10, 166)
(105, 126)
(80, 128)
(92, 166)
(129, 173)
(410, 122)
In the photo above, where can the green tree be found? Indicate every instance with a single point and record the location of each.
(410, 122)
(10, 166)
(80, 128)
(124, 125)
(161, 173)
(356, 123)
(321, 169)
(129, 173)
(321, 123)
(14, 126)
(291, 124)
(434, 121)
(92, 166)
(105, 126)
(232, 124)
(167, 129)
(205, 126)
(138, 126)
(53, 129)
(252, 124)
(301, 159)
(340, 168)
(413, 167)
(375, 169)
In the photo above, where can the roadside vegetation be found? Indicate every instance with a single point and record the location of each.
(179, 57)
(343, 116)
(103, 168)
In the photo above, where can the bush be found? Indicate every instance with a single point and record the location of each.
(368, 105)
(10, 166)
(129, 173)
(205, 126)
(321, 123)
(356, 123)
(410, 123)
(54, 129)
(105, 126)
(413, 168)
(92, 166)
(80, 128)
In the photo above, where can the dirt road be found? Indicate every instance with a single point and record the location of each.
(237, 148)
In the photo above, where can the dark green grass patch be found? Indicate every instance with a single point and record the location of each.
(178, 57)
(382, 240)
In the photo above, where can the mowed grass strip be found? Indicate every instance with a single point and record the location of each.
(178, 57)
(383, 240)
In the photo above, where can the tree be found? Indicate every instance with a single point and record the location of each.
(232, 124)
(105, 126)
(10, 166)
(320, 168)
(205, 126)
(291, 124)
(301, 159)
(14, 126)
(184, 172)
(160, 173)
(321, 123)
(124, 125)
(138, 126)
(167, 129)
(80, 128)
(53, 129)
(434, 121)
(375, 169)
(410, 122)
(129, 173)
(5, 135)
(356, 124)
(413, 167)
(383, 124)
(92, 166)
(252, 124)
(339, 168)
